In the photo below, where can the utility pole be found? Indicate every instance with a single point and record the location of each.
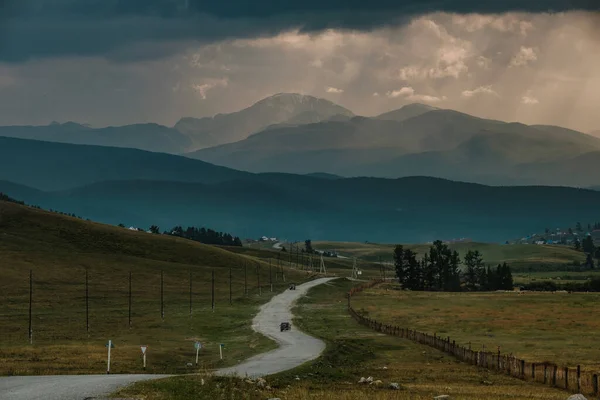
(230, 295)
(270, 274)
(245, 279)
(322, 268)
(213, 290)
(129, 299)
(190, 292)
(87, 303)
(30, 305)
(258, 279)
(162, 294)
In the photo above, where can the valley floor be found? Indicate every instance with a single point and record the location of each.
(354, 351)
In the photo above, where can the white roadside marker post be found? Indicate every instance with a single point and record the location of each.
(221, 350)
(110, 345)
(144, 347)
(198, 346)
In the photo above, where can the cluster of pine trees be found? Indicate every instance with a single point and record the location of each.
(439, 270)
(590, 250)
(206, 236)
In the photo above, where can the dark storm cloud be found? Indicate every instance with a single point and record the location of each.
(122, 29)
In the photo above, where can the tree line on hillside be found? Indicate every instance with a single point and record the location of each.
(203, 235)
(439, 270)
(5, 197)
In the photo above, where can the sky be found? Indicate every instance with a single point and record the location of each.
(116, 62)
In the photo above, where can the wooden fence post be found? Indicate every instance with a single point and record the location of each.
(533, 371)
(554, 371)
(523, 369)
(579, 379)
(498, 358)
(566, 377)
(545, 374)
(595, 384)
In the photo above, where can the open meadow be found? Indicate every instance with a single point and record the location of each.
(59, 249)
(354, 351)
(535, 326)
(520, 257)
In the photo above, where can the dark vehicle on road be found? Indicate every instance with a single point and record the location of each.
(285, 326)
(293, 286)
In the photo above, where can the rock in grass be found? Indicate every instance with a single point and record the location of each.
(377, 382)
(362, 380)
(577, 397)
(394, 386)
(260, 382)
(369, 379)
(442, 397)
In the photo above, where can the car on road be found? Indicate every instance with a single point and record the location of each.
(293, 286)
(285, 326)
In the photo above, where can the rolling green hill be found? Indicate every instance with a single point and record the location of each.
(413, 210)
(59, 249)
(56, 166)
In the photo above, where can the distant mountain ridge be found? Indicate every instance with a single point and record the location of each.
(190, 134)
(286, 108)
(294, 133)
(151, 137)
(417, 209)
(141, 188)
(415, 140)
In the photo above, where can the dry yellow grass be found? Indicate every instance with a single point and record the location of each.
(537, 327)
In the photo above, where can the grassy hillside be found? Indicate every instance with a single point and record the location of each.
(59, 249)
(338, 266)
(520, 256)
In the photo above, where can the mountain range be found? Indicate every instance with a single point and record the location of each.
(301, 134)
(420, 140)
(141, 188)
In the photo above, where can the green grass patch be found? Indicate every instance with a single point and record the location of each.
(59, 249)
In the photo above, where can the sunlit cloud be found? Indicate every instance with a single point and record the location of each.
(523, 57)
(480, 90)
(202, 89)
(330, 89)
(473, 63)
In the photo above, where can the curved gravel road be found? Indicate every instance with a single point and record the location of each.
(295, 349)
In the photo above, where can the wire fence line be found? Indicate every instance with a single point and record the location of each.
(547, 373)
(48, 306)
